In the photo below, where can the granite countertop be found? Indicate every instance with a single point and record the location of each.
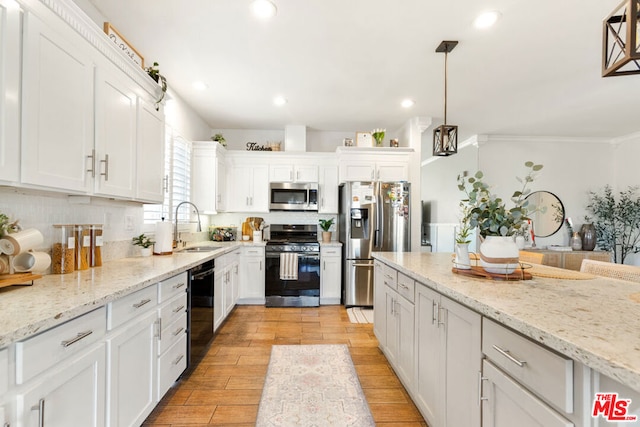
(595, 322)
(56, 298)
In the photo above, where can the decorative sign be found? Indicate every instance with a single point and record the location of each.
(123, 44)
(253, 146)
(363, 139)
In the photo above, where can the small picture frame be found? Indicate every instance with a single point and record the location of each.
(347, 142)
(363, 139)
(123, 44)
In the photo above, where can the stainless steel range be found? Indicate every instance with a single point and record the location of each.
(292, 274)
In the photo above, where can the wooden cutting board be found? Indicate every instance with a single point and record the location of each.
(25, 279)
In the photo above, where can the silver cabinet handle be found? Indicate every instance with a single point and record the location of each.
(165, 184)
(159, 325)
(440, 310)
(179, 309)
(298, 175)
(260, 268)
(175, 362)
(434, 307)
(81, 335)
(106, 167)
(93, 163)
(179, 285)
(290, 175)
(372, 174)
(480, 379)
(178, 331)
(141, 303)
(508, 355)
(403, 286)
(40, 408)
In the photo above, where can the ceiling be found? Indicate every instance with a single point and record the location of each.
(347, 65)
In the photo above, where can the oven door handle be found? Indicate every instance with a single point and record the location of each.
(272, 255)
(202, 275)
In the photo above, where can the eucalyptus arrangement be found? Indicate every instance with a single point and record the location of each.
(617, 222)
(489, 212)
(378, 135)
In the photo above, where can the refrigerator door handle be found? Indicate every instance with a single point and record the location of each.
(379, 224)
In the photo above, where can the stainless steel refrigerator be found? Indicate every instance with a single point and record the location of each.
(373, 216)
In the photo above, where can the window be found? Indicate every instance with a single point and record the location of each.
(177, 169)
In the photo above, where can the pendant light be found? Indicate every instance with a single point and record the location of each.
(445, 137)
(621, 40)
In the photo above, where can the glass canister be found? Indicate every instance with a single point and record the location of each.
(83, 244)
(95, 256)
(63, 250)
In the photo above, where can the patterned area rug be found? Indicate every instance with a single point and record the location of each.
(360, 315)
(312, 385)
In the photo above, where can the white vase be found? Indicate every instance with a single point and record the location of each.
(145, 251)
(499, 254)
(462, 260)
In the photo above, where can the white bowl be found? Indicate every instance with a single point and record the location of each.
(245, 237)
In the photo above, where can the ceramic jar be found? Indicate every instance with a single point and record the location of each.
(462, 260)
(499, 254)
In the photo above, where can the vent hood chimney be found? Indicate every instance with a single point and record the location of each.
(295, 138)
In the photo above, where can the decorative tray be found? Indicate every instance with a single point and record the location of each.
(476, 271)
(25, 279)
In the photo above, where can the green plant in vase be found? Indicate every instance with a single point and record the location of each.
(326, 224)
(378, 135)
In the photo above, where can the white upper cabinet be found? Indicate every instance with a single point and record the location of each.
(208, 179)
(57, 107)
(115, 137)
(380, 164)
(10, 22)
(150, 153)
(293, 173)
(248, 188)
(328, 189)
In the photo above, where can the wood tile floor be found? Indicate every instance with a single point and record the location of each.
(224, 388)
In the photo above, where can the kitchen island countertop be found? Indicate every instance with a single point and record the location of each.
(56, 298)
(595, 322)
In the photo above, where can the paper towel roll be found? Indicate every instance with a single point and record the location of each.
(164, 238)
(4, 264)
(31, 261)
(22, 241)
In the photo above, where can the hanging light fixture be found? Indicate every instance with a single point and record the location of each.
(621, 40)
(445, 137)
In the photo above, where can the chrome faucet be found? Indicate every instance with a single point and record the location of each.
(175, 230)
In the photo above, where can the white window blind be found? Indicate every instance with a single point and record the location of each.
(177, 169)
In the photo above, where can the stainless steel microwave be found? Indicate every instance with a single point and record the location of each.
(288, 196)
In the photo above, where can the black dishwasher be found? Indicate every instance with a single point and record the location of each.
(200, 310)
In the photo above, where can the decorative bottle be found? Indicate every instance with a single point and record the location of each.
(576, 242)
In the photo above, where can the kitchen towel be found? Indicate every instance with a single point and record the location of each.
(288, 266)
(22, 241)
(164, 238)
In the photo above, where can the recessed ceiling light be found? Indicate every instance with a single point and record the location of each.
(200, 85)
(279, 101)
(264, 9)
(407, 103)
(486, 19)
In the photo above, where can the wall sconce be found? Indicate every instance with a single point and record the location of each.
(621, 40)
(445, 137)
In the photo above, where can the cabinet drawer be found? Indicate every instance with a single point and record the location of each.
(389, 276)
(171, 365)
(252, 251)
(125, 309)
(38, 353)
(172, 286)
(173, 309)
(4, 371)
(172, 332)
(406, 286)
(541, 370)
(330, 251)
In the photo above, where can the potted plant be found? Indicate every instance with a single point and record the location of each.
(326, 224)
(617, 222)
(219, 139)
(145, 244)
(463, 238)
(496, 224)
(154, 73)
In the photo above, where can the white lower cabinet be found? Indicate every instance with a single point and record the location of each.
(330, 275)
(70, 394)
(251, 277)
(225, 288)
(379, 300)
(448, 360)
(506, 403)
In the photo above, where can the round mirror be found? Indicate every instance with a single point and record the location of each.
(549, 215)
